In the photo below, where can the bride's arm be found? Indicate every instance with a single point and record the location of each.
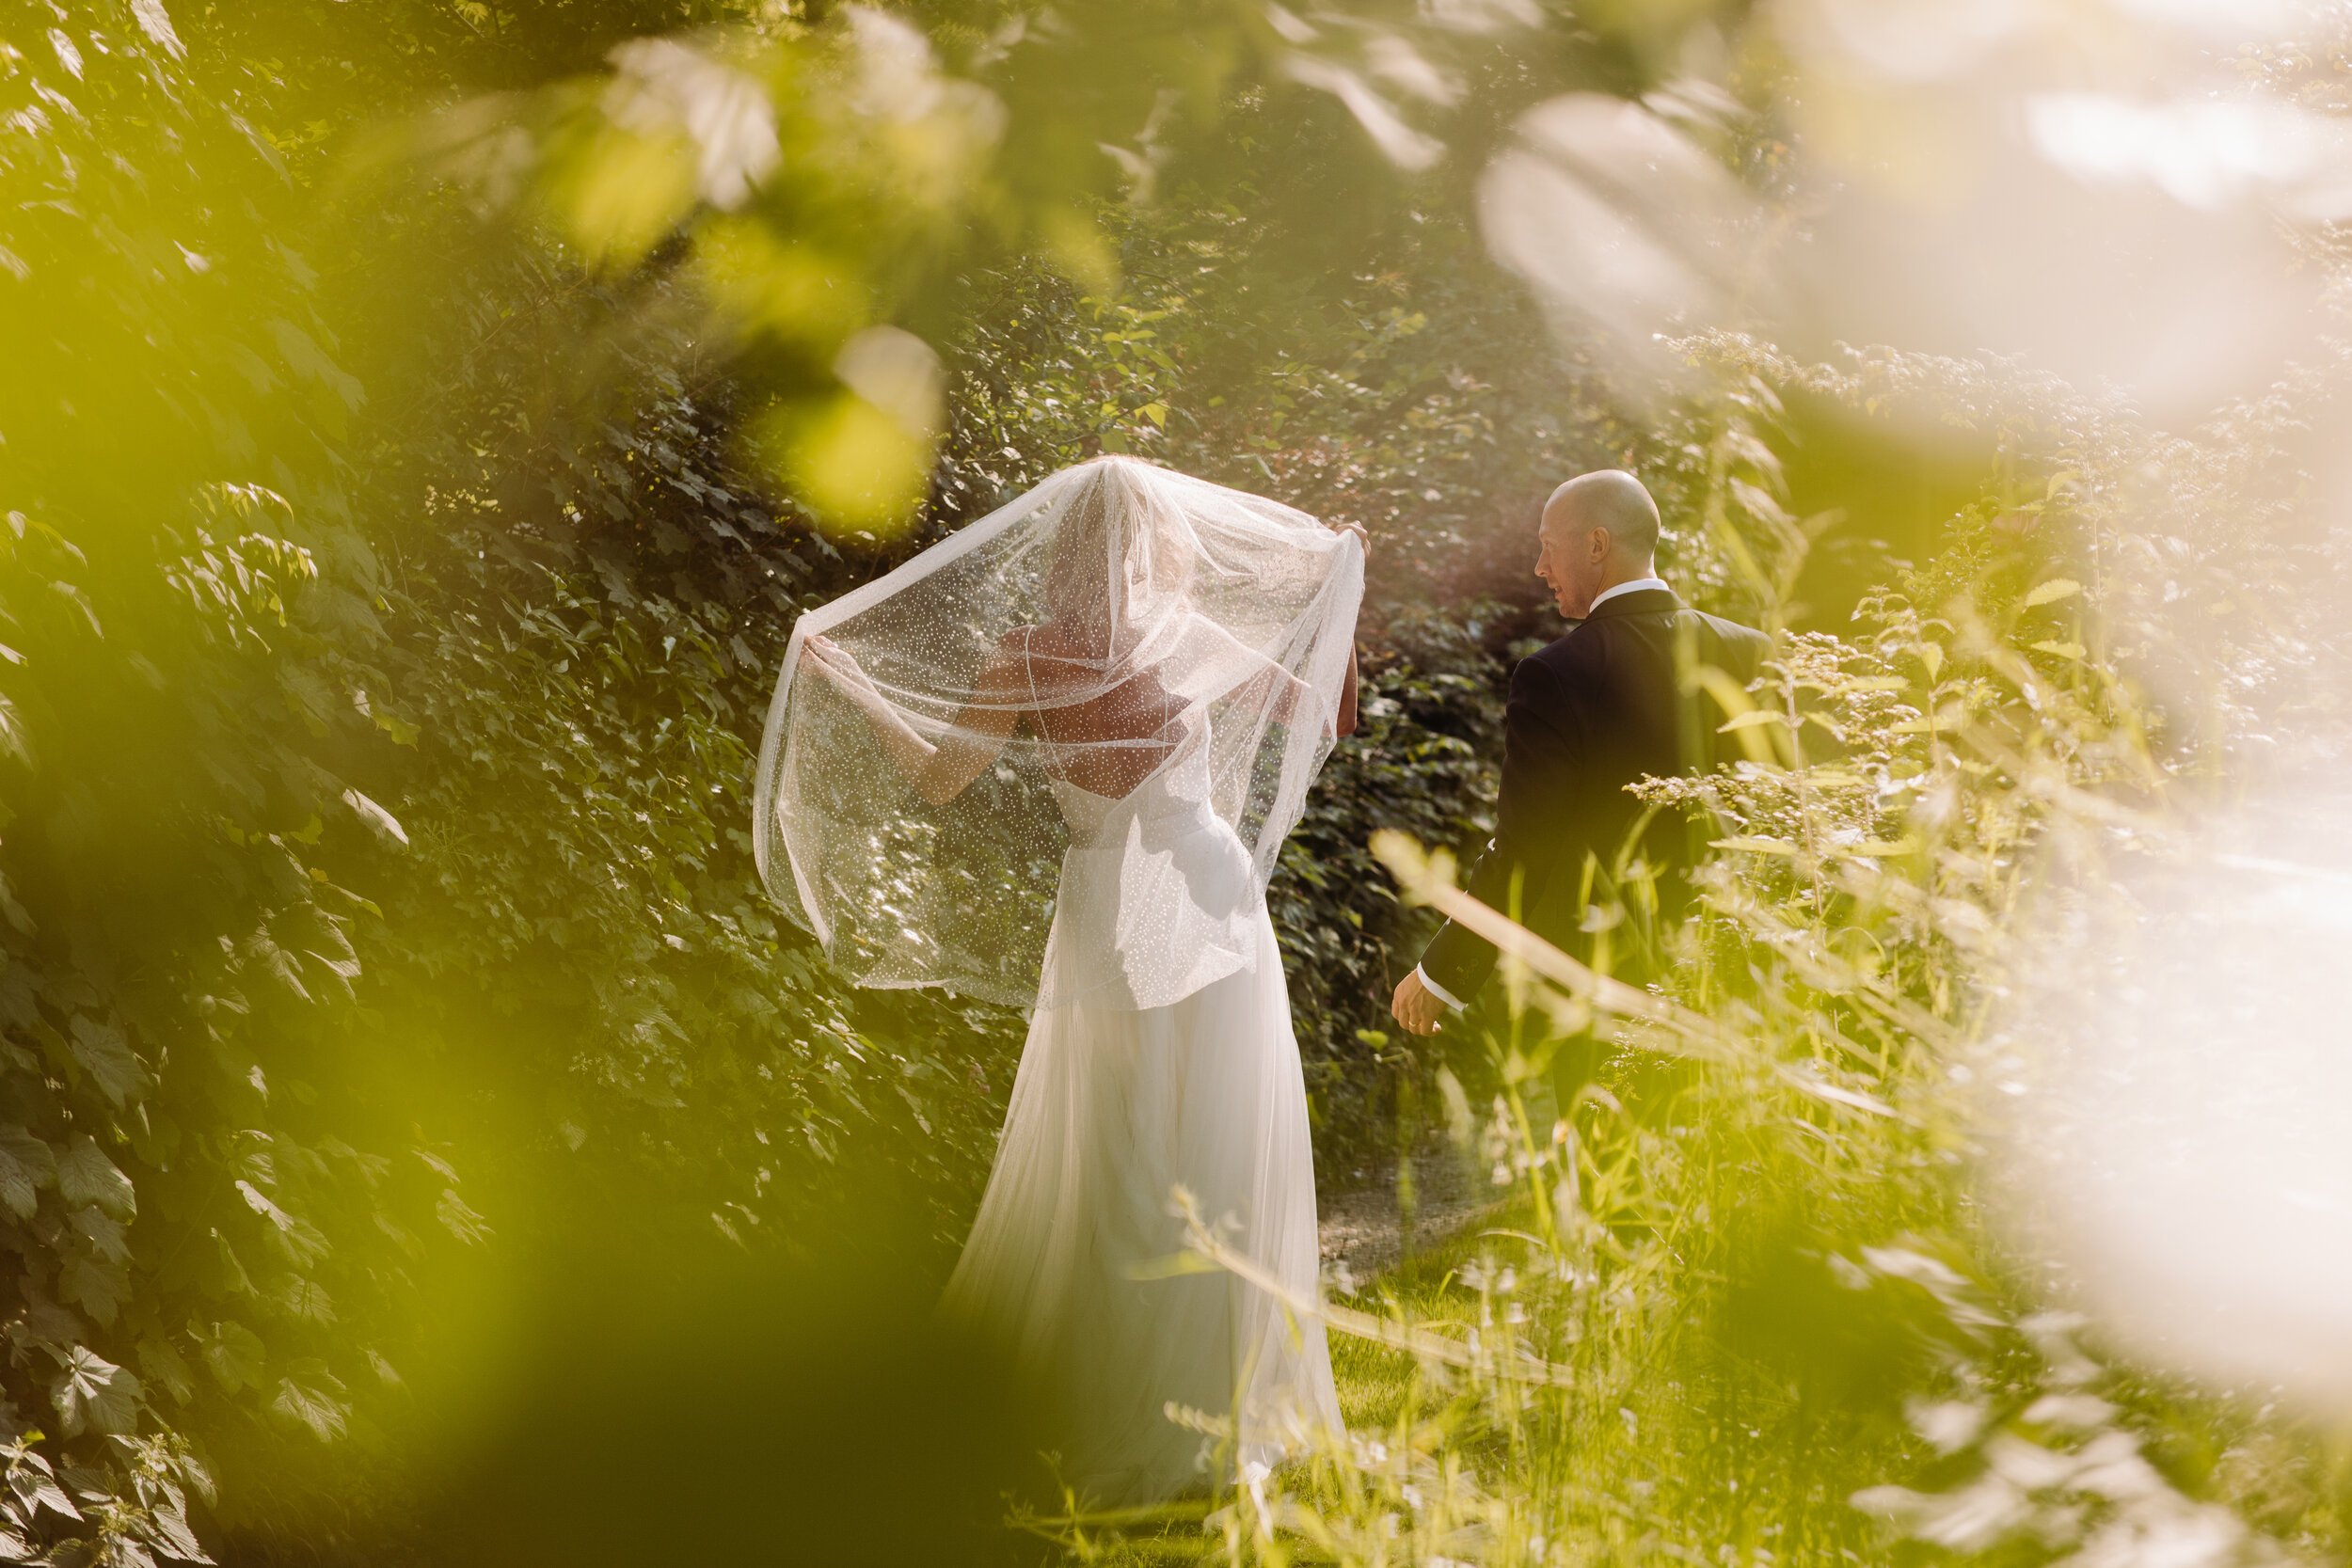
(1272, 690)
(1345, 725)
(1336, 726)
(1290, 691)
(976, 735)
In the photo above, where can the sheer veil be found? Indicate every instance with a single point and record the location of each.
(1144, 661)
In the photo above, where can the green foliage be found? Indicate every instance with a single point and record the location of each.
(400, 533)
(211, 1229)
(1743, 1304)
(379, 717)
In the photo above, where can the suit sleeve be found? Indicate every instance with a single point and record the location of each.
(1539, 760)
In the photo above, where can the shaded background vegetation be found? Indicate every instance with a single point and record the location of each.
(412, 472)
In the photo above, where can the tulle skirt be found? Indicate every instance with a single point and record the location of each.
(1111, 1109)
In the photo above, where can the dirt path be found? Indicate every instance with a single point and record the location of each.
(1363, 1222)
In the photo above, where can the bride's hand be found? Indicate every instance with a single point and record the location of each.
(1363, 540)
(832, 656)
(840, 666)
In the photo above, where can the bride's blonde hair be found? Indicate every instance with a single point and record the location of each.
(1119, 553)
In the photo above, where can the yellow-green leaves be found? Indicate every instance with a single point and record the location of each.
(2053, 591)
(101, 1051)
(313, 1397)
(675, 128)
(859, 459)
(620, 194)
(155, 22)
(1750, 719)
(27, 1166)
(784, 288)
(855, 467)
(1754, 844)
(667, 86)
(1079, 250)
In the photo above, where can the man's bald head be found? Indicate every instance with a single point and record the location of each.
(1600, 530)
(1609, 499)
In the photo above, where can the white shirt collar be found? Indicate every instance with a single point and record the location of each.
(1636, 586)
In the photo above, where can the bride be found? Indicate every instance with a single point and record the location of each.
(1050, 761)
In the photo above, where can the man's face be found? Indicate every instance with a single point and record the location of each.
(1569, 565)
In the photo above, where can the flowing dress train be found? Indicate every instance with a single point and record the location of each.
(1114, 1106)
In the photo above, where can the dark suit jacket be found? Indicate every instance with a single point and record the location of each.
(1604, 705)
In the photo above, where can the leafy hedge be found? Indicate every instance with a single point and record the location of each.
(375, 720)
(213, 1224)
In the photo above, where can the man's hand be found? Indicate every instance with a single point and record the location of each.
(1416, 1006)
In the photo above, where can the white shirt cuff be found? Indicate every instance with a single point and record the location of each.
(1435, 989)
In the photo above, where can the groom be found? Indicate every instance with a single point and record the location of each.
(1610, 703)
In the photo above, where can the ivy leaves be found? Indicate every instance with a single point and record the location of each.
(192, 779)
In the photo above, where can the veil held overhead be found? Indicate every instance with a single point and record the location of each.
(1139, 674)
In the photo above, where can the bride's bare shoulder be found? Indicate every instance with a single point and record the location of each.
(1010, 663)
(1015, 646)
(1044, 641)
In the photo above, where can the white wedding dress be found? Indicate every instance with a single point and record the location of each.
(1114, 1107)
(1187, 648)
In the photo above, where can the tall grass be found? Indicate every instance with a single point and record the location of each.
(1745, 1305)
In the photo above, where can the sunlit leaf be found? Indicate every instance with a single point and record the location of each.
(27, 1166)
(460, 1219)
(92, 1394)
(313, 1395)
(1756, 845)
(155, 22)
(383, 823)
(168, 1526)
(2052, 591)
(782, 286)
(305, 1298)
(1750, 719)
